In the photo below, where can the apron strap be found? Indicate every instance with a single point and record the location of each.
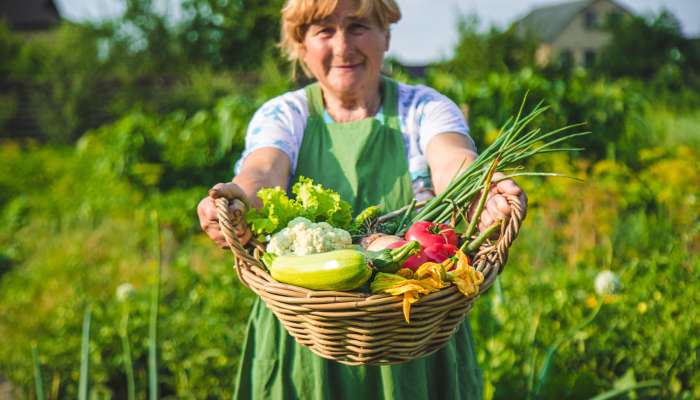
(390, 102)
(315, 99)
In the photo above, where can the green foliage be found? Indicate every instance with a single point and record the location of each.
(173, 151)
(229, 33)
(63, 65)
(636, 223)
(95, 233)
(479, 53)
(9, 49)
(611, 110)
(80, 76)
(651, 48)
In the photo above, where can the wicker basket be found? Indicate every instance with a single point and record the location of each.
(358, 328)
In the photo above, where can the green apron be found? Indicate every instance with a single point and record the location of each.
(365, 162)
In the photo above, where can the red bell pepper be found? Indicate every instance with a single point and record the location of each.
(428, 233)
(440, 252)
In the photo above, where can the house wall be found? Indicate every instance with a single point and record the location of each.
(577, 38)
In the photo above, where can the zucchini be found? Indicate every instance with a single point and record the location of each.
(345, 269)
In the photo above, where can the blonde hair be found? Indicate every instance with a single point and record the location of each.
(298, 15)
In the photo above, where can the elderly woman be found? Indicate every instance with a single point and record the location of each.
(375, 141)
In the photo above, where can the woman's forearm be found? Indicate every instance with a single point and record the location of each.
(263, 168)
(448, 154)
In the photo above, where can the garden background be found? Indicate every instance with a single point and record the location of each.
(137, 117)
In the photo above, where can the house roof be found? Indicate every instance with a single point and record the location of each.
(547, 22)
(24, 15)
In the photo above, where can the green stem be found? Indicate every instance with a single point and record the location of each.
(153, 320)
(618, 392)
(38, 377)
(482, 201)
(126, 353)
(402, 253)
(408, 212)
(84, 357)
(474, 244)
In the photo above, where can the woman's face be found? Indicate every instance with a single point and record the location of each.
(345, 53)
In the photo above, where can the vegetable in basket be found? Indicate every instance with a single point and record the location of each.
(428, 233)
(311, 201)
(346, 269)
(302, 237)
(438, 243)
(428, 278)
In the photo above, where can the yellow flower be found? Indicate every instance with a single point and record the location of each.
(466, 277)
(591, 302)
(405, 272)
(642, 308)
(411, 290)
(432, 274)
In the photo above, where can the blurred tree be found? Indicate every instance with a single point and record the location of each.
(143, 41)
(479, 53)
(650, 47)
(63, 71)
(229, 33)
(9, 49)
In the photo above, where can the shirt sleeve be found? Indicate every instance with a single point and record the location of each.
(280, 124)
(437, 114)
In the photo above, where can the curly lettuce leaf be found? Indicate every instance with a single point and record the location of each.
(277, 211)
(320, 204)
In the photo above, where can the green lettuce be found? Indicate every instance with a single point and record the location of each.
(311, 201)
(320, 204)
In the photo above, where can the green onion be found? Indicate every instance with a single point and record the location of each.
(513, 144)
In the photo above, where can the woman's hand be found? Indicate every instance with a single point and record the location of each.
(206, 210)
(497, 206)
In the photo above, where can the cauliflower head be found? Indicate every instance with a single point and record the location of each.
(302, 237)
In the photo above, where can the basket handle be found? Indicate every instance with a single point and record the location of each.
(509, 230)
(229, 223)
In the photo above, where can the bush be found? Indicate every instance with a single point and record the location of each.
(610, 110)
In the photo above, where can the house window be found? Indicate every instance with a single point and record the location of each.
(590, 20)
(589, 58)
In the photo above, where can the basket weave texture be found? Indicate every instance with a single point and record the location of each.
(357, 328)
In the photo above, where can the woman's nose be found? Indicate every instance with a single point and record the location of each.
(342, 44)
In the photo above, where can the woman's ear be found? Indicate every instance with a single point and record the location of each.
(388, 39)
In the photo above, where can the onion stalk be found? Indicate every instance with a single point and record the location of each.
(513, 145)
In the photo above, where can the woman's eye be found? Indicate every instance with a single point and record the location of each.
(324, 31)
(357, 28)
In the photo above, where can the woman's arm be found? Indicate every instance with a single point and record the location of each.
(446, 153)
(264, 167)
